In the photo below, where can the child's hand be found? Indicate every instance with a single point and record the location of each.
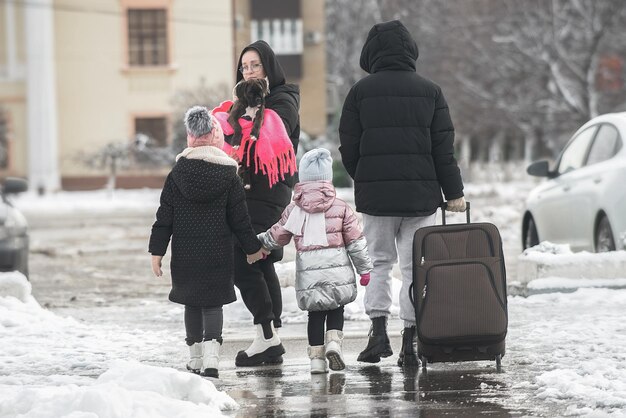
(253, 258)
(156, 265)
(365, 279)
(261, 254)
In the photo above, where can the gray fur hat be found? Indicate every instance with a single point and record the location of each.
(202, 128)
(198, 121)
(316, 164)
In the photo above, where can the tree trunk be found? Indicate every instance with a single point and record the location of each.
(530, 144)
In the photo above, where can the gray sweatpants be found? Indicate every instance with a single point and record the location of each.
(390, 238)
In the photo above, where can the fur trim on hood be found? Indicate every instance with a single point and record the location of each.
(208, 154)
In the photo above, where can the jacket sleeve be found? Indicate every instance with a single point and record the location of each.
(239, 220)
(356, 245)
(442, 137)
(350, 134)
(287, 109)
(162, 227)
(277, 236)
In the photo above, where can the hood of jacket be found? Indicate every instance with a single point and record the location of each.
(314, 196)
(389, 46)
(271, 66)
(204, 173)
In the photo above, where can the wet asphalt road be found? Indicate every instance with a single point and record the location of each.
(364, 390)
(90, 266)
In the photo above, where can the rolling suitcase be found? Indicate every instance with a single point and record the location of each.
(459, 292)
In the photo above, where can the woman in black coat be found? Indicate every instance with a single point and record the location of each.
(258, 282)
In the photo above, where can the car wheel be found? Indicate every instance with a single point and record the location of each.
(531, 238)
(604, 236)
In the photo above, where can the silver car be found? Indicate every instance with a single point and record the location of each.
(13, 229)
(583, 201)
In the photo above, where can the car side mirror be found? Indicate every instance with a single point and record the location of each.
(14, 185)
(540, 169)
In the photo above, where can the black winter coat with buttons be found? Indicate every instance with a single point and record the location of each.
(202, 205)
(396, 135)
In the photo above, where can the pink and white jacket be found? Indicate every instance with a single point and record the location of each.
(328, 242)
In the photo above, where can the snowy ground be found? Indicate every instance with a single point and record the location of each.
(91, 351)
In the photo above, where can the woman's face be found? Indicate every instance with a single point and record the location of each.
(251, 66)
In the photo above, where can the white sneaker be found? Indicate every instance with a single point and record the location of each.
(261, 350)
(333, 343)
(194, 364)
(211, 359)
(318, 361)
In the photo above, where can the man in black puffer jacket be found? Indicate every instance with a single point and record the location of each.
(397, 143)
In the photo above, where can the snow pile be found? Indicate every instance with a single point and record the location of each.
(16, 285)
(127, 389)
(577, 360)
(547, 247)
(564, 284)
(548, 260)
(48, 366)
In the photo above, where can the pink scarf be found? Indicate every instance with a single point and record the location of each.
(274, 151)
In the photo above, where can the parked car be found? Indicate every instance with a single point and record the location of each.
(583, 201)
(13, 229)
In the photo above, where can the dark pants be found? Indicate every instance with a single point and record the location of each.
(203, 324)
(260, 288)
(315, 327)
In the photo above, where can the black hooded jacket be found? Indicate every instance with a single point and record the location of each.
(264, 203)
(202, 206)
(397, 138)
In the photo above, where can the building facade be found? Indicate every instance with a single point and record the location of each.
(76, 76)
(295, 29)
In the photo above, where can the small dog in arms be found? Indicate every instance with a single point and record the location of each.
(250, 101)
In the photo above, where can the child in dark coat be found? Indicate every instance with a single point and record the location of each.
(202, 205)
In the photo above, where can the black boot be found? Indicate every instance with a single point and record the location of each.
(378, 344)
(408, 357)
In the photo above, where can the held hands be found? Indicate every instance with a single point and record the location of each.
(261, 254)
(456, 205)
(156, 265)
(365, 279)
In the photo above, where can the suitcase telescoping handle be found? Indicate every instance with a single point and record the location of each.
(443, 207)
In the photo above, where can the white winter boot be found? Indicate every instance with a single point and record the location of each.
(194, 364)
(261, 350)
(333, 341)
(211, 359)
(318, 361)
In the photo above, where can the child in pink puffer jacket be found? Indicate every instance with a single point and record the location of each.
(329, 241)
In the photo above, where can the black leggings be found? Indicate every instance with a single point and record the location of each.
(259, 287)
(203, 324)
(315, 327)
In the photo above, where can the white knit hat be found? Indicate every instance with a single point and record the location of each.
(316, 164)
